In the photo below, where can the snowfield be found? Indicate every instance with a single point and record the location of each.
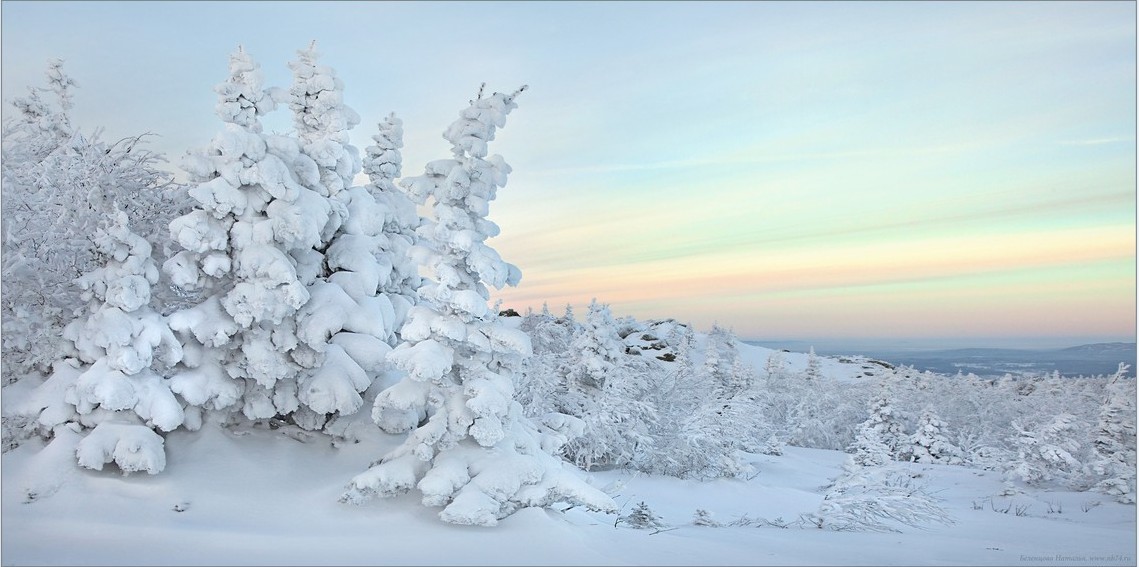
(253, 495)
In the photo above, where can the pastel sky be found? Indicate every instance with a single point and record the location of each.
(898, 170)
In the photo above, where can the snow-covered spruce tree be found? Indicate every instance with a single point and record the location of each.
(775, 368)
(383, 164)
(704, 518)
(813, 371)
(1114, 439)
(250, 251)
(929, 443)
(606, 389)
(469, 449)
(674, 397)
(884, 421)
(773, 446)
(348, 324)
(116, 393)
(868, 448)
(643, 518)
(58, 186)
(719, 352)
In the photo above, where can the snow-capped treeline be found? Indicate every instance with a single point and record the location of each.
(290, 297)
(687, 404)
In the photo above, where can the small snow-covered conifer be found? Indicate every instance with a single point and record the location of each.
(868, 450)
(776, 366)
(643, 518)
(773, 446)
(703, 517)
(383, 164)
(543, 379)
(929, 444)
(813, 371)
(884, 420)
(117, 392)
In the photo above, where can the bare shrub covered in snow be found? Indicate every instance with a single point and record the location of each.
(876, 498)
(59, 185)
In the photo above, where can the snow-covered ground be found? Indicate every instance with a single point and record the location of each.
(258, 496)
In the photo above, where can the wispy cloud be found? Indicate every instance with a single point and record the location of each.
(1096, 141)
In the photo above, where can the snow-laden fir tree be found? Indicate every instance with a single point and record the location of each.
(884, 420)
(683, 342)
(868, 449)
(383, 164)
(250, 251)
(348, 324)
(542, 374)
(606, 389)
(703, 518)
(813, 371)
(643, 518)
(58, 187)
(930, 444)
(773, 446)
(1114, 439)
(116, 393)
(469, 448)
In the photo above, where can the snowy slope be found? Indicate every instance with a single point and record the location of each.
(269, 497)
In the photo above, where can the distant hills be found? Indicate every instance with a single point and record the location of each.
(1088, 359)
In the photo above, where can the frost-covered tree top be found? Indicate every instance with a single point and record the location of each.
(383, 163)
(323, 120)
(242, 98)
(39, 127)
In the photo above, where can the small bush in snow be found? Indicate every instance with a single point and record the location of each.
(703, 517)
(642, 518)
(879, 498)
